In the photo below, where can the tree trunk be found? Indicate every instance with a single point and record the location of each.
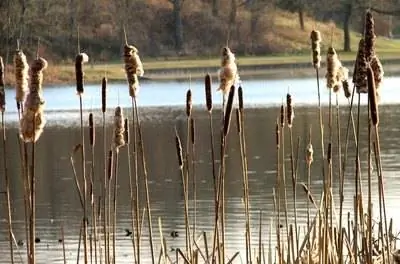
(346, 26)
(215, 8)
(178, 25)
(301, 17)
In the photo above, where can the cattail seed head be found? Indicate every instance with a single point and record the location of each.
(342, 75)
(228, 73)
(290, 111)
(277, 135)
(377, 68)
(282, 116)
(126, 131)
(360, 75)
(133, 69)
(21, 69)
(192, 131)
(329, 155)
(373, 104)
(91, 130)
(118, 129)
(207, 83)
(240, 97)
(346, 88)
(309, 154)
(228, 110)
(80, 59)
(189, 103)
(104, 94)
(179, 150)
(33, 121)
(369, 36)
(2, 87)
(110, 164)
(332, 67)
(316, 48)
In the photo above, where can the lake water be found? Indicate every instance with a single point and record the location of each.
(163, 110)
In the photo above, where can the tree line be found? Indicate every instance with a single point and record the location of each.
(162, 28)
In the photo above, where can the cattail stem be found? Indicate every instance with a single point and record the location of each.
(7, 182)
(356, 185)
(63, 243)
(116, 161)
(141, 149)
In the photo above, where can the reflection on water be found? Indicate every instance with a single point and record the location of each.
(58, 202)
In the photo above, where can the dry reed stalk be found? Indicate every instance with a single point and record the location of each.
(228, 73)
(278, 190)
(6, 176)
(80, 59)
(192, 143)
(309, 160)
(133, 68)
(110, 164)
(244, 166)
(63, 243)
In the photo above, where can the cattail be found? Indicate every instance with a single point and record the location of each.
(315, 48)
(290, 111)
(238, 121)
(228, 73)
(332, 67)
(179, 150)
(80, 59)
(282, 116)
(192, 131)
(309, 154)
(342, 75)
(91, 130)
(118, 129)
(126, 131)
(373, 104)
(369, 36)
(33, 121)
(189, 103)
(310, 197)
(360, 76)
(133, 69)
(277, 135)
(240, 97)
(207, 82)
(109, 165)
(228, 110)
(21, 68)
(377, 68)
(329, 156)
(346, 88)
(2, 87)
(103, 94)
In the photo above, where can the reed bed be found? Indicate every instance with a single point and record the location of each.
(329, 236)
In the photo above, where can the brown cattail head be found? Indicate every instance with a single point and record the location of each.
(377, 68)
(290, 111)
(80, 59)
(91, 130)
(277, 135)
(118, 129)
(342, 75)
(309, 154)
(346, 88)
(332, 67)
(360, 74)
(329, 155)
(33, 121)
(240, 97)
(189, 103)
(228, 110)
(2, 87)
(192, 131)
(316, 48)
(179, 150)
(126, 131)
(133, 69)
(373, 104)
(282, 116)
(21, 68)
(228, 73)
(110, 165)
(104, 94)
(207, 83)
(369, 36)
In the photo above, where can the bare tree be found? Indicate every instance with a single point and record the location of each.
(177, 13)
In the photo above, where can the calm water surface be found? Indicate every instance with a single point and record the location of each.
(58, 202)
